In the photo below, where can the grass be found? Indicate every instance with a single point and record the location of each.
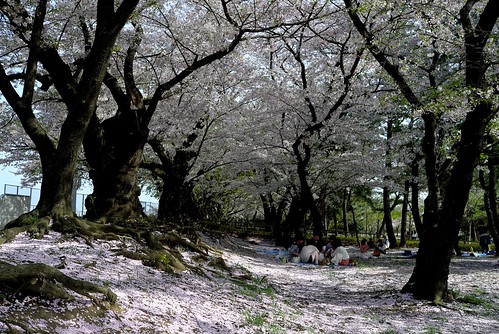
(259, 320)
(255, 319)
(264, 322)
(478, 298)
(256, 287)
(471, 299)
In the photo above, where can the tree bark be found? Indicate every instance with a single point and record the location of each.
(354, 220)
(344, 209)
(416, 214)
(177, 198)
(403, 220)
(307, 197)
(293, 224)
(113, 150)
(277, 230)
(490, 199)
(387, 211)
(273, 212)
(268, 208)
(387, 218)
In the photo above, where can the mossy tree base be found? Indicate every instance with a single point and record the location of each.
(42, 280)
(159, 251)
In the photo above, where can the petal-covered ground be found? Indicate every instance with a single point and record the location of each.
(259, 294)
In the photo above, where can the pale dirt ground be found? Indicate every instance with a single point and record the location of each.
(259, 295)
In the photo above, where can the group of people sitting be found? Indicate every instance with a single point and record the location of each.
(318, 252)
(377, 248)
(332, 252)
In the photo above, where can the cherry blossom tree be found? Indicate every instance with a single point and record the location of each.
(41, 34)
(159, 46)
(310, 76)
(203, 118)
(410, 44)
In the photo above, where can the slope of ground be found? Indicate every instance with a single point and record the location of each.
(249, 291)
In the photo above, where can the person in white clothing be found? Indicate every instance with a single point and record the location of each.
(309, 254)
(339, 254)
(295, 249)
(382, 245)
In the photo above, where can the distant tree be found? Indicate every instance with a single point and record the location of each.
(488, 182)
(309, 76)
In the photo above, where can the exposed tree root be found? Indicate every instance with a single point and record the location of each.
(175, 239)
(159, 251)
(92, 230)
(159, 259)
(12, 323)
(36, 227)
(39, 279)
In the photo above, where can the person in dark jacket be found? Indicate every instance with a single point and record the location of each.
(484, 242)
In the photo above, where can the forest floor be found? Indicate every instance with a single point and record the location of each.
(255, 293)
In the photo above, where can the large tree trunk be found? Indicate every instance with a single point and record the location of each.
(177, 200)
(430, 275)
(82, 104)
(273, 213)
(57, 182)
(268, 208)
(442, 222)
(307, 198)
(113, 150)
(293, 224)
(277, 230)
(177, 197)
(416, 214)
(493, 224)
(387, 210)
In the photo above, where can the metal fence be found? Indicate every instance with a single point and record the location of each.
(150, 208)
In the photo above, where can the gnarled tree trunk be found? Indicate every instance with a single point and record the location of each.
(113, 150)
(273, 213)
